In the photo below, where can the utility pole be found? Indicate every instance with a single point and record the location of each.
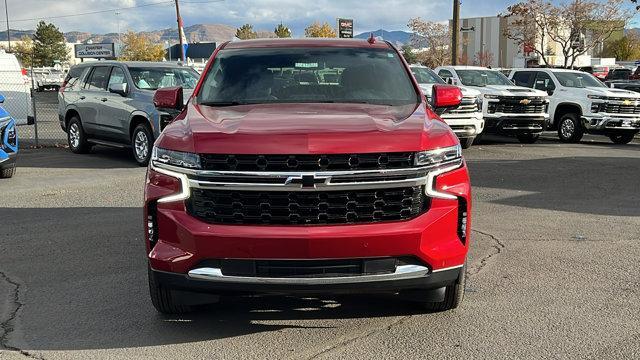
(182, 54)
(454, 32)
(6, 13)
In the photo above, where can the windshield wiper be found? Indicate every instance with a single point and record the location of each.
(223, 103)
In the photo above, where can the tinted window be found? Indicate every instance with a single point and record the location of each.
(445, 74)
(75, 75)
(426, 76)
(98, 79)
(544, 82)
(117, 76)
(523, 78)
(619, 74)
(577, 79)
(154, 78)
(482, 77)
(297, 75)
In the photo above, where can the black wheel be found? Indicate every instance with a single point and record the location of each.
(40, 88)
(621, 138)
(478, 139)
(528, 138)
(164, 300)
(142, 142)
(76, 137)
(453, 295)
(8, 172)
(569, 128)
(467, 142)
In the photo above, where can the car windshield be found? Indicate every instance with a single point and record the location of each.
(426, 76)
(154, 78)
(482, 77)
(577, 79)
(307, 75)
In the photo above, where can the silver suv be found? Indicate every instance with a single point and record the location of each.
(111, 103)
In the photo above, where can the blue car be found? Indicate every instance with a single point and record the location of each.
(8, 143)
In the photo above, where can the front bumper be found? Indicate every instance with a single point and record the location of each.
(513, 124)
(613, 123)
(7, 160)
(466, 125)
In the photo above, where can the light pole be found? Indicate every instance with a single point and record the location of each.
(118, 20)
(182, 54)
(454, 32)
(6, 14)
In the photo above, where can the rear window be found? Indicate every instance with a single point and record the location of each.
(426, 76)
(75, 75)
(308, 75)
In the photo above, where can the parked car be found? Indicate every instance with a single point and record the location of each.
(465, 120)
(16, 88)
(507, 109)
(581, 104)
(263, 186)
(50, 79)
(618, 74)
(111, 103)
(8, 143)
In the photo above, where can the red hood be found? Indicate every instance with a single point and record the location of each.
(305, 129)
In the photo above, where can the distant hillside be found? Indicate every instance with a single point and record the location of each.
(194, 33)
(396, 37)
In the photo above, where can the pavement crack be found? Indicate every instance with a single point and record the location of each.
(359, 336)
(8, 325)
(498, 247)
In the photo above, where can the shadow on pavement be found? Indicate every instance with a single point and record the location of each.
(100, 157)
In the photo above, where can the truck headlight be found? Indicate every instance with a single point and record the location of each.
(438, 156)
(597, 97)
(442, 160)
(176, 158)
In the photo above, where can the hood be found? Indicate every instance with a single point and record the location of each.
(305, 129)
(509, 90)
(427, 89)
(611, 92)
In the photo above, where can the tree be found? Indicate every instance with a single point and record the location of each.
(245, 32)
(320, 30)
(626, 48)
(24, 51)
(436, 37)
(282, 31)
(575, 27)
(409, 55)
(138, 47)
(49, 45)
(483, 58)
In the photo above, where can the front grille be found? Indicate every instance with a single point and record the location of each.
(337, 162)
(615, 108)
(307, 208)
(513, 105)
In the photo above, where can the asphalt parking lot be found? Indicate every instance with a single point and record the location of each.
(553, 270)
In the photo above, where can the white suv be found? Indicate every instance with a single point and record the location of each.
(507, 109)
(580, 104)
(465, 120)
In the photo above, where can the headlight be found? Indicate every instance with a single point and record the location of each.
(438, 156)
(489, 96)
(597, 97)
(176, 158)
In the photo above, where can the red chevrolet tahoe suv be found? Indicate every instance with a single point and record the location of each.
(306, 166)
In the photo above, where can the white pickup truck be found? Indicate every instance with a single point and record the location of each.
(465, 120)
(507, 109)
(580, 104)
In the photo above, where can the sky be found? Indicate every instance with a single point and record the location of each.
(263, 14)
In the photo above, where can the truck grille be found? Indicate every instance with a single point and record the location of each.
(467, 105)
(307, 208)
(370, 161)
(513, 105)
(615, 108)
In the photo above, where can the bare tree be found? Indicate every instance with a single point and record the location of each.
(483, 58)
(434, 36)
(528, 26)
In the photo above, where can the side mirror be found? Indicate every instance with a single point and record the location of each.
(1, 99)
(550, 92)
(120, 89)
(169, 98)
(446, 96)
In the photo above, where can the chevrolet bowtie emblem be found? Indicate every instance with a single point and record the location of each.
(525, 101)
(307, 181)
(627, 102)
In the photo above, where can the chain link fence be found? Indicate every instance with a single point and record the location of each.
(32, 100)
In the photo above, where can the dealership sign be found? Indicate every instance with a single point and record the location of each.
(95, 51)
(345, 28)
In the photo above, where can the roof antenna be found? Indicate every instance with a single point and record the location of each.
(372, 39)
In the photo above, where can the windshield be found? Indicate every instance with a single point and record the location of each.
(426, 76)
(154, 78)
(305, 75)
(482, 77)
(577, 79)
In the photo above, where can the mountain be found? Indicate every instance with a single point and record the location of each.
(194, 33)
(15, 34)
(396, 37)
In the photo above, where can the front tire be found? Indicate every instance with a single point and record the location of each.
(8, 172)
(453, 296)
(142, 141)
(528, 138)
(76, 137)
(569, 128)
(163, 299)
(467, 142)
(621, 138)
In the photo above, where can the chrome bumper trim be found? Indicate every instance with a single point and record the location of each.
(402, 272)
